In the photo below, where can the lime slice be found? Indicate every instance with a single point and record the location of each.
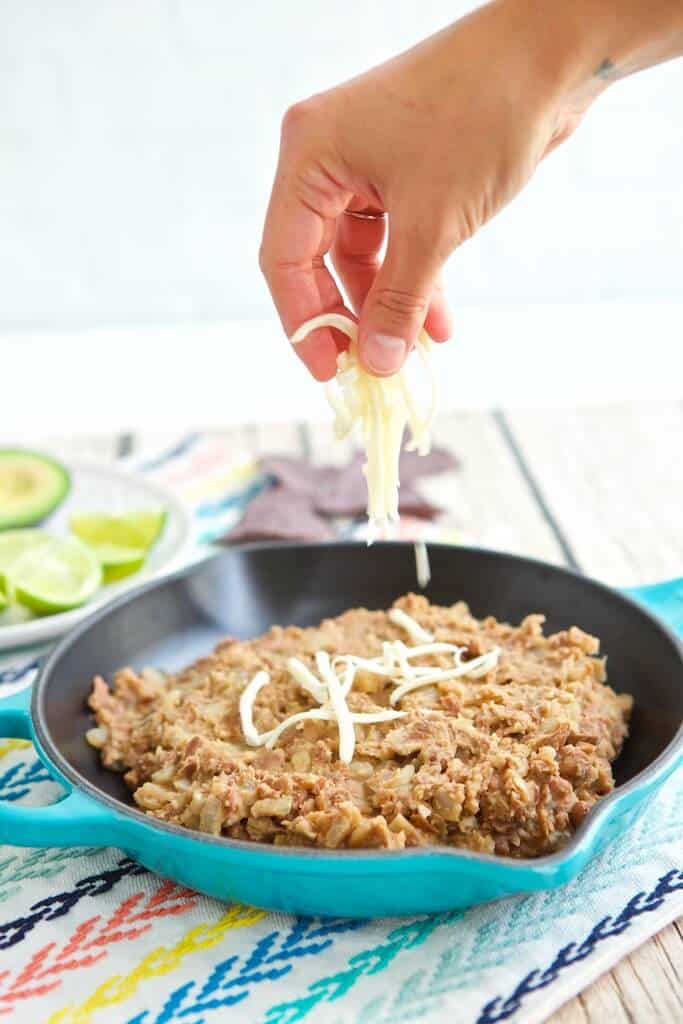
(59, 574)
(14, 543)
(118, 561)
(31, 486)
(132, 530)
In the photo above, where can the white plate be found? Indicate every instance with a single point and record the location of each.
(96, 488)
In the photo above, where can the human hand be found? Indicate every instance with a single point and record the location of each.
(439, 139)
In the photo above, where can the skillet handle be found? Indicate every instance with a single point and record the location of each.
(72, 821)
(664, 599)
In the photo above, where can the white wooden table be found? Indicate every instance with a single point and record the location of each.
(599, 489)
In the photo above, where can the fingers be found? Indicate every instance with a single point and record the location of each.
(299, 228)
(295, 239)
(439, 322)
(398, 302)
(303, 221)
(356, 257)
(355, 254)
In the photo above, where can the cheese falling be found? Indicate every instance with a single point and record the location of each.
(423, 569)
(381, 407)
(331, 689)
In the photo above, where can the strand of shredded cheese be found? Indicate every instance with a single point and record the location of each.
(414, 630)
(247, 698)
(395, 658)
(268, 739)
(307, 680)
(422, 567)
(339, 707)
(475, 668)
(331, 690)
(381, 406)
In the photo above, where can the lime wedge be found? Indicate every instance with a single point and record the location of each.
(59, 574)
(15, 543)
(133, 530)
(118, 561)
(148, 524)
(3, 593)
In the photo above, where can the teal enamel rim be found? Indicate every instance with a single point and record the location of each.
(87, 805)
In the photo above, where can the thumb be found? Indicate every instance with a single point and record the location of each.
(396, 305)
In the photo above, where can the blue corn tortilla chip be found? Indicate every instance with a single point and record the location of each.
(343, 492)
(280, 514)
(303, 496)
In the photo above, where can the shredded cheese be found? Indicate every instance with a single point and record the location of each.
(381, 407)
(338, 706)
(269, 739)
(422, 567)
(247, 698)
(395, 660)
(306, 679)
(414, 630)
(332, 687)
(330, 691)
(475, 668)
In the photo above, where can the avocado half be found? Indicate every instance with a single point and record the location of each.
(32, 485)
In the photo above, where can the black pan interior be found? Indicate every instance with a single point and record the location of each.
(244, 591)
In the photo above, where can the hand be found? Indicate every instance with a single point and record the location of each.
(439, 139)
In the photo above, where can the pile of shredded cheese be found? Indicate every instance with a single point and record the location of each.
(395, 660)
(336, 678)
(381, 407)
(329, 690)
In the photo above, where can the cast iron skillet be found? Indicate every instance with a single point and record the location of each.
(244, 591)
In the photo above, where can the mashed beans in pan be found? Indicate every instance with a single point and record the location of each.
(505, 759)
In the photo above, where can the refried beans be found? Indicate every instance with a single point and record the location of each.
(508, 763)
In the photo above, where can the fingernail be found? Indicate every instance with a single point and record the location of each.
(384, 353)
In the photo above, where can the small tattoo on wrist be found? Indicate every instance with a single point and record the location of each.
(606, 70)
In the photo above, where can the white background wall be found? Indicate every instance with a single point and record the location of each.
(138, 140)
(137, 144)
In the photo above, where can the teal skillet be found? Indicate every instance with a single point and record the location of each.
(242, 592)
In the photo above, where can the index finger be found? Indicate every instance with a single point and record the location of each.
(296, 237)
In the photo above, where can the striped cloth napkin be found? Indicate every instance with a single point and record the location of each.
(90, 937)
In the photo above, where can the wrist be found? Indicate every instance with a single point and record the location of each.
(577, 49)
(587, 44)
(634, 34)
